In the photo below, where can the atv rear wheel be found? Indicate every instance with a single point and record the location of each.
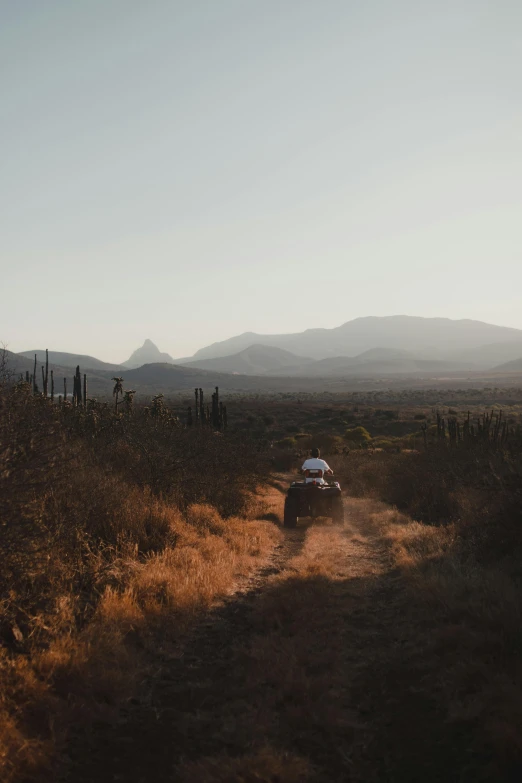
(338, 511)
(290, 515)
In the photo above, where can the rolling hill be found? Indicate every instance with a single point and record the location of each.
(490, 355)
(99, 381)
(254, 360)
(514, 366)
(72, 360)
(375, 362)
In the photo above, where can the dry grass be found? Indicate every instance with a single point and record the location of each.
(467, 640)
(287, 683)
(80, 675)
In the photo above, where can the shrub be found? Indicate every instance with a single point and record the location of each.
(358, 436)
(286, 443)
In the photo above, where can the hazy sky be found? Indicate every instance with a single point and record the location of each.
(188, 170)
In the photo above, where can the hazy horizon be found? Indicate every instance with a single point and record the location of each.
(265, 334)
(186, 172)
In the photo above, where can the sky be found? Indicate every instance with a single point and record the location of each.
(189, 170)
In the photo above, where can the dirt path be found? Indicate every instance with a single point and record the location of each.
(288, 680)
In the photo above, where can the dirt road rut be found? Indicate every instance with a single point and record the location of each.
(272, 685)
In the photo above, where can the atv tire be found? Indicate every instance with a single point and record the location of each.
(338, 511)
(290, 515)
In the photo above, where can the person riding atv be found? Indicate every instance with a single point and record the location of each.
(314, 463)
(314, 497)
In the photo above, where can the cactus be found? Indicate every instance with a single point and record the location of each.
(46, 378)
(77, 388)
(34, 376)
(201, 407)
(85, 390)
(128, 399)
(118, 389)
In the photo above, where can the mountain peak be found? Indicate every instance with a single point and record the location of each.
(149, 353)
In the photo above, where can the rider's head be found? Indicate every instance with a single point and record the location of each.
(316, 453)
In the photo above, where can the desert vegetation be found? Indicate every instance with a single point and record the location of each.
(375, 650)
(118, 527)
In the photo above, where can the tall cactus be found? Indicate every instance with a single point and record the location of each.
(46, 379)
(78, 386)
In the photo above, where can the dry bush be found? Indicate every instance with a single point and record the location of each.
(467, 640)
(480, 490)
(107, 533)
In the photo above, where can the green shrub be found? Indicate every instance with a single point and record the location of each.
(358, 436)
(383, 443)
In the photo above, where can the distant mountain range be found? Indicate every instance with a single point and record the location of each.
(390, 349)
(429, 338)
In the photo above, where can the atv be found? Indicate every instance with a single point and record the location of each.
(314, 499)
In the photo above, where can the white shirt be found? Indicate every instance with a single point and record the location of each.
(314, 463)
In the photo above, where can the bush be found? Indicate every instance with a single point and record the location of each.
(107, 523)
(383, 443)
(358, 436)
(286, 443)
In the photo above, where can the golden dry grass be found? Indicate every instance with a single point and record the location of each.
(287, 684)
(86, 673)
